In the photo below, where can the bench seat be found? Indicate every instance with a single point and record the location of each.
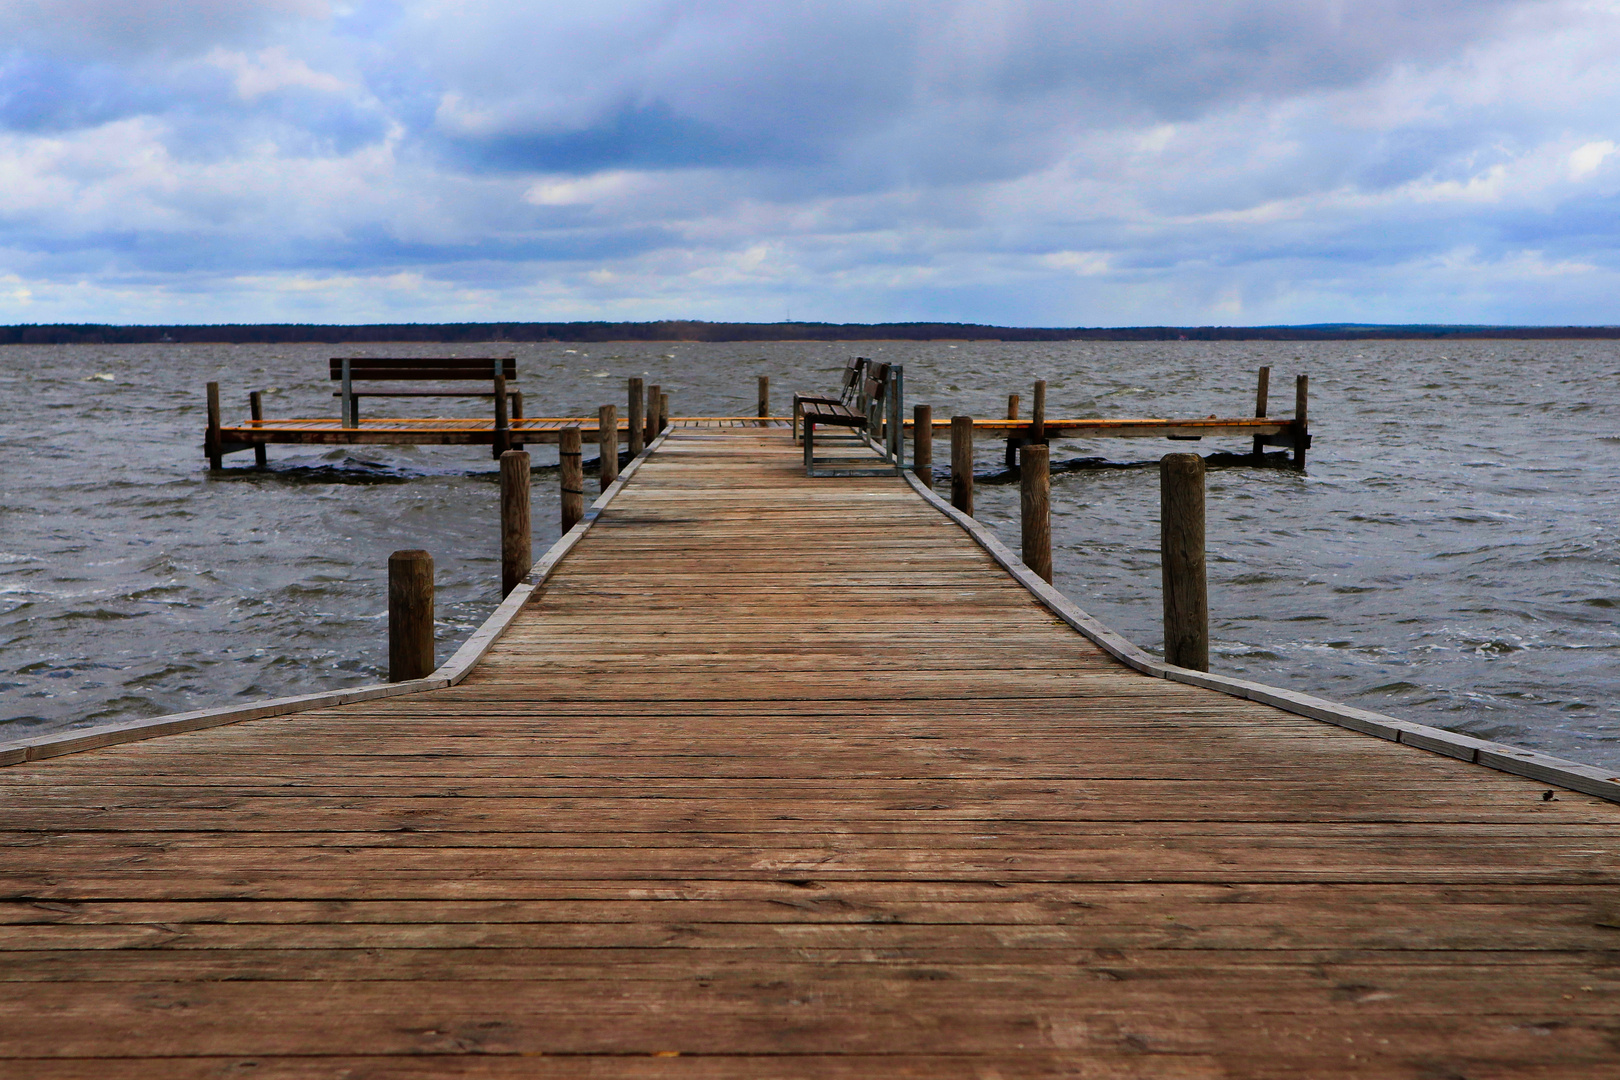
(831, 412)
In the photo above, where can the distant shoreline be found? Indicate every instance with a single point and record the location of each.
(691, 331)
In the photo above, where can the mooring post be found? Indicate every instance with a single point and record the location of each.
(1181, 560)
(638, 420)
(922, 443)
(1302, 423)
(1034, 498)
(1013, 441)
(962, 464)
(764, 397)
(1037, 415)
(653, 396)
(212, 442)
(517, 552)
(410, 615)
(503, 438)
(663, 411)
(572, 476)
(351, 407)
(1262, 395)
(261, 453)
(607, 445)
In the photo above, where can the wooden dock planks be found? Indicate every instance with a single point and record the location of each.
(785, 777)
(447, 431)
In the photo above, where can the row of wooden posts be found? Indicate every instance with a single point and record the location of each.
(1181, 521)
(1181, 516)
(410, 573)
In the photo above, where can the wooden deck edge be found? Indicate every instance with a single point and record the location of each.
(461, 663)
(1588, 779)
(74, 740)
(451, 672)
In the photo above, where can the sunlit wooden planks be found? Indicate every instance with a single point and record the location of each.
(786, 777)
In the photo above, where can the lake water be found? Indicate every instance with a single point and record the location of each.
(1452, 555)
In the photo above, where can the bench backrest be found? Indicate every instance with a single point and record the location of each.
(418, 367)
(877, 380)
(852, 381)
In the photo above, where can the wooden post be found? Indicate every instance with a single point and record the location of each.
(351, 407)
(1013, 441)
(607, 445)
(517, 552)
(261, 453)
(962, 464)
(212, 442)
(1037, 415)
(503, 439)
(653, 396)
(1302, 424)
(1262, 395)
(922, 443)
(573, 476)
(410, 615)
(1034, 498)
(663, 411)
(1181, 561)
(764, 397)
(638, 420)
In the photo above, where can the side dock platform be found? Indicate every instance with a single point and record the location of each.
(779, 776)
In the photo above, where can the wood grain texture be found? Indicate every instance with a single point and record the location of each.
(787, 777)
(410, 615)
(1184, 585)
(607, 446)
(517, 547)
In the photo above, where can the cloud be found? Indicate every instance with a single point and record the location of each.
(1586, 159)
(1001, 160)
(272, 70)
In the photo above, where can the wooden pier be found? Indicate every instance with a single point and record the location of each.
(777, 776)
(502, 430)
(543, 430)
(447, 431)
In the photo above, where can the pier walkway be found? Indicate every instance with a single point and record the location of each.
(786, 777)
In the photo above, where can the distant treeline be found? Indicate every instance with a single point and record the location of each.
(280, 333)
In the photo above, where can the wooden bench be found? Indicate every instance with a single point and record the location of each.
(854, 372)
(874, 418)
(497, 370)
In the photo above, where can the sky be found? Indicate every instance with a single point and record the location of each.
(1182, 162)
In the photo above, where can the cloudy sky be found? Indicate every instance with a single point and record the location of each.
(1007, 161)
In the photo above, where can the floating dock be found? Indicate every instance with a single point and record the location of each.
(502, 430)
(540, 430)
(775, 776)
(447, 431)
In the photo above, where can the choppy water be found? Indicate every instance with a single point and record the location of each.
(1452, 557)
